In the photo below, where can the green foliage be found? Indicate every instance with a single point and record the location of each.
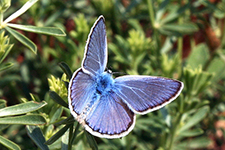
(180, 40)
(5, 48)
(20, 37)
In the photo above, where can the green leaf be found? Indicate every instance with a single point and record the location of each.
(199, 56)
(186, 28)
(58, 135)
(9, 144)
(42, 30)
(192, 133)
(21, 108)
(217, 66)
(22, 10)
(24, 120)
(74, 135)
(4, 5)
(7, 50)
(66, 69)
(196, 143)
(68, 120)
(65, 139)
(6, 66)
(36, 135)
(196, 118)
(23, 39)
(91, 141)
(168, 44)
(58, 99)
(174, 14)
(161, 10)
(56, 115)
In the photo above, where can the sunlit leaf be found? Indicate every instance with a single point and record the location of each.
(24, 120)
(22, 10)
(42, 30)
(23, 39)
(21, 108)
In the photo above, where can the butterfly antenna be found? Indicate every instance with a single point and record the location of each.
(120, 73)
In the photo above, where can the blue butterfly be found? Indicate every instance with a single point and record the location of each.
(107, 107)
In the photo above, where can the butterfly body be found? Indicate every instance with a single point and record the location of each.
(104, 83)
(107, 107)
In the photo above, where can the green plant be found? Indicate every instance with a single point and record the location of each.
(178, 39)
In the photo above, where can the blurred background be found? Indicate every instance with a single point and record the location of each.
(178, 39)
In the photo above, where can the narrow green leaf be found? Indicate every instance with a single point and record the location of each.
(65, 139)
(161, 10)
(192, 133)
(24, 120)
(9, 144)
(21, 108)
(198, 56)
(68, 120)
(42, 30)
(56, 115)
(37, 136)
(58, 99)
(196, 143)
(91, 141)
(23, 39)
(22, 10)
(66, 69)
(6, 66)
(57, 135)
(66, 84)
(196, 118)
(168, 44)
(174, 14)
(186, 28)
(74, 135)
(7, 50)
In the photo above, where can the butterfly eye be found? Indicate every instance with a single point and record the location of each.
(109, 71)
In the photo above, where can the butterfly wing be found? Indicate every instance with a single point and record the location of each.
(144, 94)
(95, 56)
(80, 92)
(110, 118)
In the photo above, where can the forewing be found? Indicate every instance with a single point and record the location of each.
(144, 94)
(80, 92)
(95, 56)
(110, 118)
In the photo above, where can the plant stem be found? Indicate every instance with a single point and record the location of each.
(174, 131)
(155, 32)
(1, 19)
(180, 43)
(151, 12)
(70, 137)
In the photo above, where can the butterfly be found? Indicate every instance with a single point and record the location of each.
(107, 107)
